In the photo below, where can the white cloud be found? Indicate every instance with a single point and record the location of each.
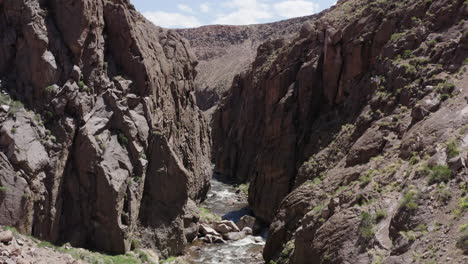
(296, 8)
(244, 12)
(172, 20)
(205, 8)
(185, 8)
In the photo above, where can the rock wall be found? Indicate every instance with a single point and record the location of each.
(225, 51)
(337, 129)
(101, 137)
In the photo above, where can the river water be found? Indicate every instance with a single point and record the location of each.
(223, 200)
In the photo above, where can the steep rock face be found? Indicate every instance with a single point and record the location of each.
(225, 51)
(321, 128)
(110, 129)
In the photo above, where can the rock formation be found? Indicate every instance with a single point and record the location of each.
(225, 51)
(349, 134)
(102, 142)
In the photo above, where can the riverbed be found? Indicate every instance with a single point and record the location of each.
(226, 201)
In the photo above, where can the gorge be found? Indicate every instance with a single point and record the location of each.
(340, 137)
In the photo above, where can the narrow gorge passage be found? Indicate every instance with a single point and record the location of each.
(227, 202)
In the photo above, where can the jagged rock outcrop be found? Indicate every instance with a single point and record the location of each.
(224, 51)
(111, 146)
(335, 129)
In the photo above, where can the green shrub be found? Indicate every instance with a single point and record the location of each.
(169, 260)
(409, 68)
(463, 203)
(407, 54)
(81, 85)
(432, 42)
(13, 130)
(15, 106)
(462, 241)
(452, 148)
(367, 178)
(443, 194)
(444, 97)
(123, 140)
(380, 215)
(50, 89)
(3, 189)
(244, 188)
(366, 229)
(414, 159)
(207, 216)
(439, 173)
(134, 244)
(445, 88)
(397, 36)
(410, 200)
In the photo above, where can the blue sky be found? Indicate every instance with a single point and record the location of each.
(195, 13)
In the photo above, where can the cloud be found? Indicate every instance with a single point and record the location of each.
(244, 12)
(185, 8)
(172, 20)
(205, 8)
(296, 8)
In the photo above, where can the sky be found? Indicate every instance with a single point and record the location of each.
(195, 13)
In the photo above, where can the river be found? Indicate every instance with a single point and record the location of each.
(223, 199)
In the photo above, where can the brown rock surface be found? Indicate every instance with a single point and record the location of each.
(224, 51)
(110, 115)
(334, 128)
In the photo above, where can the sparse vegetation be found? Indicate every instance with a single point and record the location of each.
(123, 140)
(13, 130)
(81, 85)
(169, 260)
(462, 206)
(244, 188)
(410, 200)
(407, 54)
(462, 241)
(3, 189)
(452, 148)
(365, 179)
(366, 229)
(438, 173)
(207, 216)
(397, 36)
(380, 215)
(50, 89)
(443, 193)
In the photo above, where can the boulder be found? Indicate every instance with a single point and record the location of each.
(207, 230)
(456, 163)
(76, 73)
(247, 231)
(211, 239)
(225, 227)
(6, 236)
(234, 236)
(246, 221)
(426, 106)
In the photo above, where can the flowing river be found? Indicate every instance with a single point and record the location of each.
(224, 201)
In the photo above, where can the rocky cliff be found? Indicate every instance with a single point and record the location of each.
(225, 51)
(353, 135)
(102, 144)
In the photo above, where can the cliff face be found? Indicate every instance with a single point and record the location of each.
(344, 133)
(101, 139)
(225, 51)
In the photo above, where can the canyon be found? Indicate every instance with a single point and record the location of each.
(340, 137)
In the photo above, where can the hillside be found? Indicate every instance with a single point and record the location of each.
(353, 136)
(225, 51)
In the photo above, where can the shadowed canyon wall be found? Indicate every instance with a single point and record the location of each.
(110, 145)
